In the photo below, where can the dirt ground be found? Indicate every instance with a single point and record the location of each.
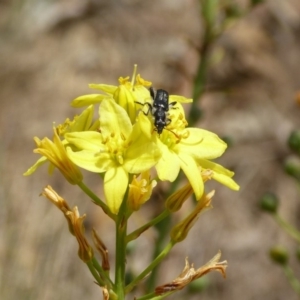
(51, 50)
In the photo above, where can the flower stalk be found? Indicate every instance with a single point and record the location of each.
(124, 146)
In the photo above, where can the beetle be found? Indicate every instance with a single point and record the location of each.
(159, 109)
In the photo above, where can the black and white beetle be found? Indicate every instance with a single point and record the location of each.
(159, 109)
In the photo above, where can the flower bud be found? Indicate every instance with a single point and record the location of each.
(181, 230)
(292, 167)
(140, 190)
(279, 255)
(56, 153)
(256, 2)
(294, 141)
(269, 202)
(176, 200)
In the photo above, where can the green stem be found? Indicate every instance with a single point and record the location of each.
(200, 79)
(135, 234)
(94, 272)
(290, 230)
(121, 233)
(97, 200)
(208, 11)
(153, 296)
(152, 265)
(294, 282)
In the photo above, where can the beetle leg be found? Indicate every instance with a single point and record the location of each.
(149, 107)
(172, 104)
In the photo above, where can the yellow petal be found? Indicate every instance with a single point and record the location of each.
(126, 99)
(145, 124)
(220, 174)
(87, 159)
(83, 121)
(38, 163)
(87, 140)
(142, 153)
(179, 99)
(192, 173)
(168, 166)
(202, 144)
(229, 182)
(106, 88)
(114, 119)
(115, 185)
(86, 100)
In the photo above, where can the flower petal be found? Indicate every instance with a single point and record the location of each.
(142, 153)
(115, 185)
(114, 119)
(87, 140)
(220, 174)
(125, 98)
(83, 121)
(86, 100)
(90, 161)
(145, 124)
(202, 144)
(179, 99)
(191, 170)
(37, 164)
(229, 182)
(106, 88)
(168, 166)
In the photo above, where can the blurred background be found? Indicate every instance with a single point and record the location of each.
(51, 50)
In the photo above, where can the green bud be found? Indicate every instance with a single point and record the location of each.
(292, 167)
(279, 255)
(294, 141)
(269, 202)
(255, 2)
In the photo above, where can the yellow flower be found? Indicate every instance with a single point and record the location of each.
(119, 148)
(140, 190)
(83, 122)
(126, 94)
(185, 152)
(55, 152)
(186, 149)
